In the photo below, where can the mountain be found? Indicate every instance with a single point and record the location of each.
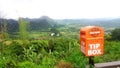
(42, 23)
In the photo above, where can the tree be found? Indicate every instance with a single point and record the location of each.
(23, 29)
(115, 34)
(55, 32)
(3, 29)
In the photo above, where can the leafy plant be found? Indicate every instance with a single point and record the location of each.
(26, 64)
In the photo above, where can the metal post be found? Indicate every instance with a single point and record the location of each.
(91, 61)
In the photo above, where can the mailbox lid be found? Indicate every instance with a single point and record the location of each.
(93, 31)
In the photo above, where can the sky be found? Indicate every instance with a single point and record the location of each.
(60, 9)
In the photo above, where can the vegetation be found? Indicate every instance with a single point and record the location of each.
(23, 29)
(35, 48)
(115, 34)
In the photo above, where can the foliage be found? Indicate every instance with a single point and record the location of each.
(108, 36)
(52, 53)
(112, 52)
(26, 64)
(23, 29)
(55, 31)
(48, 62)
(115, 34)
(77, 58)
(5, 30)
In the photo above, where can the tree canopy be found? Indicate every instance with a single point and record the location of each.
(115, 34)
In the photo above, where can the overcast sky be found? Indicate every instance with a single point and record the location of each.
(60, 9)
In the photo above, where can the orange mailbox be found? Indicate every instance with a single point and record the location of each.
(92, 40)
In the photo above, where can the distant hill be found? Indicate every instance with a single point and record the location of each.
(104, 22)
(42, 23)
(12, 25)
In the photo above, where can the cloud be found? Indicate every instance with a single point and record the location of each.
(60, 8)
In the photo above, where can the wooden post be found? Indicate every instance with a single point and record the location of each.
(91, 61)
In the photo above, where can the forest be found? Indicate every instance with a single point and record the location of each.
(47, 43)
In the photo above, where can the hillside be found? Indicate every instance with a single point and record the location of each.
(42, 23)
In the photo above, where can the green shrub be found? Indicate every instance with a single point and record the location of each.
(26, 64)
